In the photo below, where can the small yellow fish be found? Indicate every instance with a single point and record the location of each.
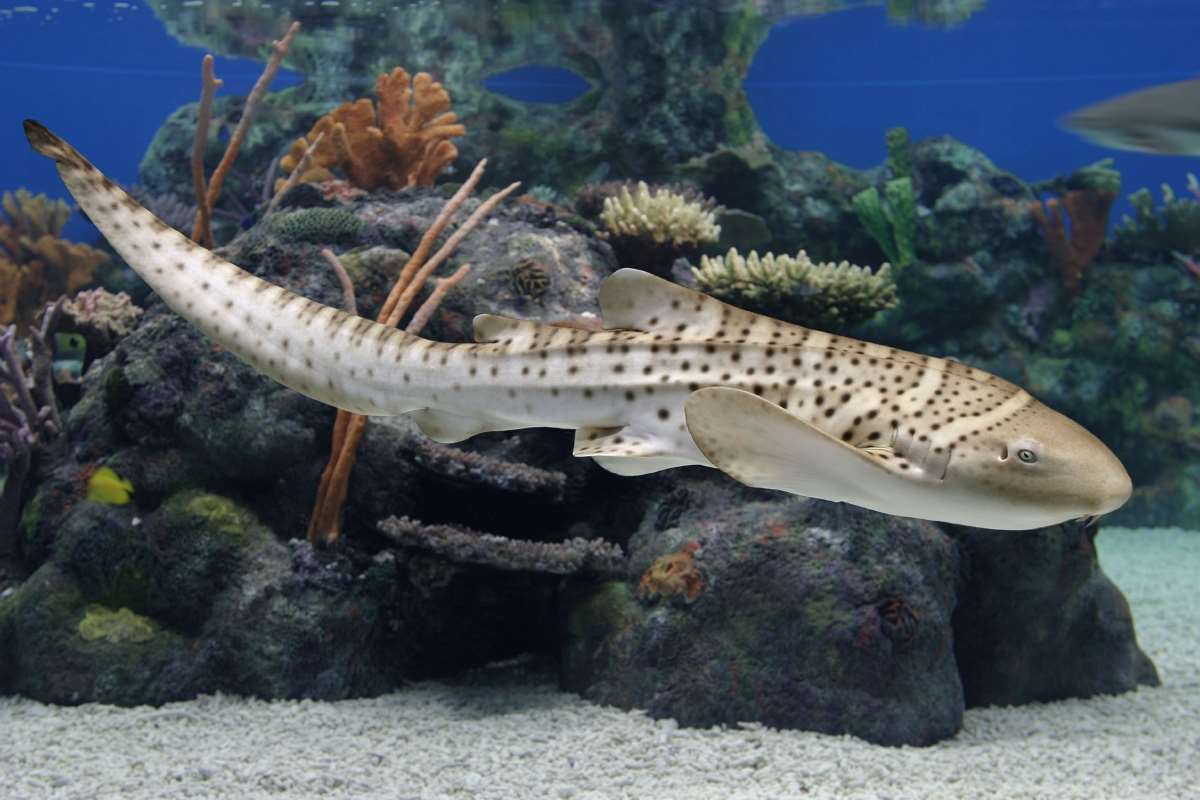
(106, 486)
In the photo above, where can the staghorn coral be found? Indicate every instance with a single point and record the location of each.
(405, 141)
(825, 295)
(37, 266)
(465, 546)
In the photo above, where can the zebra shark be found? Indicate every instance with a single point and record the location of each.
(675, 378)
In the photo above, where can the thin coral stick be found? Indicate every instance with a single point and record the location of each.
(203, 234)
(209, 84)
(279, 49)
(349, 304)
(429, 239)
(427, 269)
(296, 174)
(421, 318)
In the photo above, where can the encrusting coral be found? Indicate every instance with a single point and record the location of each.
(36, 265)
(405, 141)
(823, 295)
(650, 229)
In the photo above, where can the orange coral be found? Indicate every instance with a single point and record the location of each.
(405, 142)
(673, 574)
(1087, 209)
(36, 266)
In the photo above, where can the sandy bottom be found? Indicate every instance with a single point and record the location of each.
(510, 739)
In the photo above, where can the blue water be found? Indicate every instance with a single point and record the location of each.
(833, 83)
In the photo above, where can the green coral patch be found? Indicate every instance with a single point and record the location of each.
(119, 627)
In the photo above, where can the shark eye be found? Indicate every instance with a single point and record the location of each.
(1026, 455)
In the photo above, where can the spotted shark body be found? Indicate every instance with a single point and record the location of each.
(676, 378)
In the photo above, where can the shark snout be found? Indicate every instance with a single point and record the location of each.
(1115, 487)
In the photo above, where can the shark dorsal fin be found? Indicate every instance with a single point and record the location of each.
(636, 300)
(760, 444)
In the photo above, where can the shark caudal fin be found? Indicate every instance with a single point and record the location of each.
(317, 350)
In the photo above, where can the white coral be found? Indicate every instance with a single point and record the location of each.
(661, 216)
(819, 294)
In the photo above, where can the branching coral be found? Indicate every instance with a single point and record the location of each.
(403, 142)
(1085, 200)
(1155, 231)
(824, 295)
(650, 229)
(36, 266)
(661, 216)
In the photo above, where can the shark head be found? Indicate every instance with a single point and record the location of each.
(1039, 469)
(1164, 120)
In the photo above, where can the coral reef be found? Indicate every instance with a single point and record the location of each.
(36, 264)
(794, 288)
(404, 141)
(650, 229)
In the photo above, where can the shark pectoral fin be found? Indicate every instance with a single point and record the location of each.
(447, 427)
(759, 444)
(627, 452)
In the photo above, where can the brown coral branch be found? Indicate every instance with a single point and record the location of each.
(349, 304)
(444, 285)
(202, 234)
(446, 249)
(1087, 211)
(294, 178)
(428, 240)
(209, 83)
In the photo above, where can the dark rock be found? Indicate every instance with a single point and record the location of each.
(1038, 620)
(793, 613)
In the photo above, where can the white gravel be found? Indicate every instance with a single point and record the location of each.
(507, 740)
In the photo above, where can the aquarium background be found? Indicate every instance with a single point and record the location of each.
(830, 82)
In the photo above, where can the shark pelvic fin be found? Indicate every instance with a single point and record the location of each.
(636, 300)
(627, 452)
(447, 427)
(759, 444)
